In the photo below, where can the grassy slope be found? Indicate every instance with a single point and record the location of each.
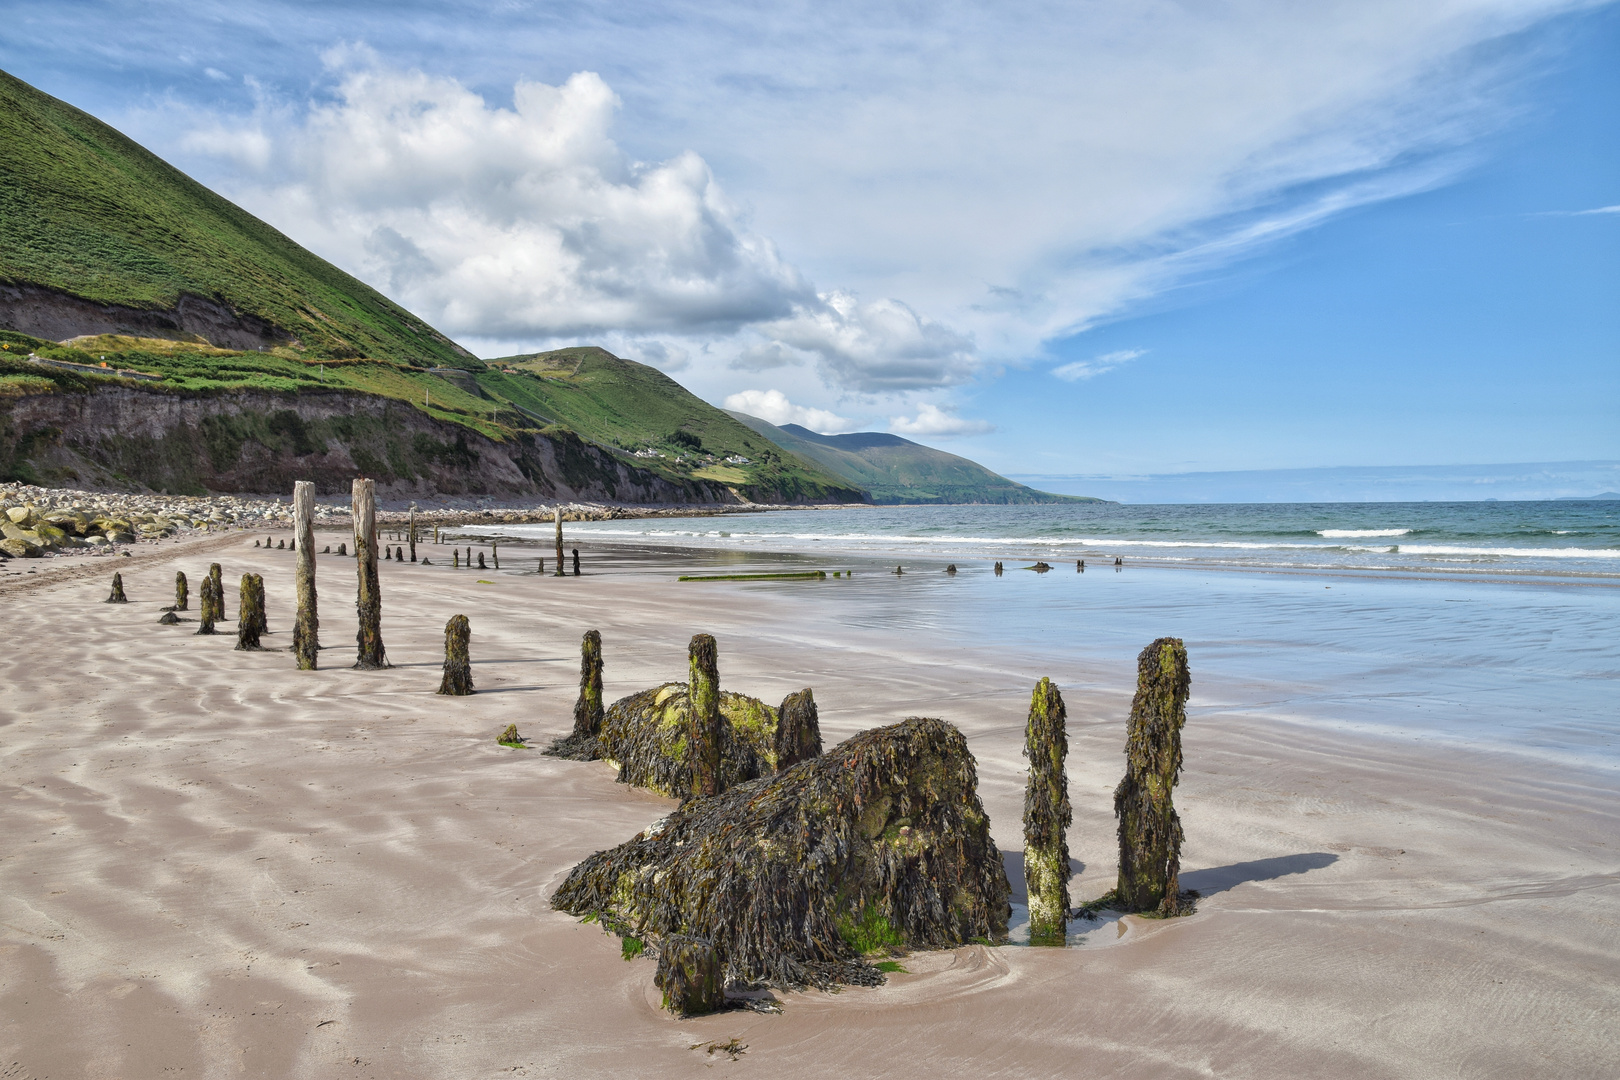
(89, 212)
(896, 470)
(620, 403)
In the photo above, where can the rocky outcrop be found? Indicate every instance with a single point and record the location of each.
(193, 443)
(58, 316)
(878, 846)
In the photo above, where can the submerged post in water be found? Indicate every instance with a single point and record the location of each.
(306, 629)
(704, 692)
(1149, 828)
(371, 656)
(1046, 816)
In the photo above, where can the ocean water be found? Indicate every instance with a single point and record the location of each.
(1493, 624)
(1517, 539)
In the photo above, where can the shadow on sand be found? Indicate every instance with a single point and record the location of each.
(1218, 879)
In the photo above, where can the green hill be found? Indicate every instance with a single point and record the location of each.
(899, 471)
(113, 261)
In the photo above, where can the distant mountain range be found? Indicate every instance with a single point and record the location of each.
(898, 471)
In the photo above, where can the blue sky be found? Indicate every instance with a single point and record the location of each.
(1111, 239)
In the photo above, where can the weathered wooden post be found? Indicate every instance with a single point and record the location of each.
(306, 630)
(704, 691)
(208, 605)
(481, 565)
(495, 555)
(455, 558)
(576, 562)
(218, 576)
(588, 706)
(371, 656)
(117, 595)
(1149, 828)
(557, 517)
(250, 613)
(1046, 816)
(689, 973)
(182, 592)
(798, 730)
(413, 532)
(457, 681)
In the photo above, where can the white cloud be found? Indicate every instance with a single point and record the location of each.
(1086, 369)
(932, 420)
(876, 346)
(774, 407)
(1599, 210)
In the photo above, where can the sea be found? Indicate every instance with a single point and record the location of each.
(1488, 624)
(1575, 540)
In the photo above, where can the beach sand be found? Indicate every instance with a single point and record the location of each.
(215, 865)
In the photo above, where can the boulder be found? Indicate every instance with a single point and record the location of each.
(878, 846)
(20, 515)
(20, 549)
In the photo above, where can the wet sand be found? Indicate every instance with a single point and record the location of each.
(215, 865)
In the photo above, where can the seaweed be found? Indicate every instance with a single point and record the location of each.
(250, 620)
(776, 872)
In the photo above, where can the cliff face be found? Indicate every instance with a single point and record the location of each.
(245, 441)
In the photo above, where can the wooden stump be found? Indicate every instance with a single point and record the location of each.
(1047, 816)
(117, 595)
(207, 605)
(798, 730)
(182, 591)
(703, 658)
(1149, 828)
(370, 653)
(250, 616)
(690, 975)
(412, 532)
(481, 565)
(218, 577)
(306, 630)
(556, 516)
(588, 706)
(457, 681)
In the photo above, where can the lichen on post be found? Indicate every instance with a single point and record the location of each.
(117, 595)
(1046, 816)
(250, 616)
(306, 629)
(704, 733)
(182, 592)
(1149, 828)
(690, 975)
(207, 605)
(798, 730)
(457, 681)
(370, 654)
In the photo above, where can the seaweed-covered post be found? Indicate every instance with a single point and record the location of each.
(457, 681)
(576, 562)
(798, 730)
(208, 605)
(412, 532)
(368, 599)
(1046, 816)
(588, 707)
(217, 576)
(689, 974)
(182, 592)
(249, 617)
(306, 630)
(1149, 829)
(704, 690)
(117, 595)
(557, 517)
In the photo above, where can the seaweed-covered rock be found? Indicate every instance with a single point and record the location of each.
(690, 975)
(879, 844)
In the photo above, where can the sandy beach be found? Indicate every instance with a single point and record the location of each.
(216, 865)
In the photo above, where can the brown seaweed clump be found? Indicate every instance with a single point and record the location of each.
(457, 681)
(652, 736)
(879, 845)
(1149, 827)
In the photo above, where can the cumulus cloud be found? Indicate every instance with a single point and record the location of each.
(528, 221)
(876, 346)
(935, 421)
(774, 407)
(1087, 369)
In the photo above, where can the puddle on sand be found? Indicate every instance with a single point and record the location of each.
(1105, 929)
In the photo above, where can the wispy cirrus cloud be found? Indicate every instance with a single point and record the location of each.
(1088, 369)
